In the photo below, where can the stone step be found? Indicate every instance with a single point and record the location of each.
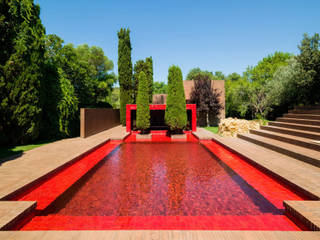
(307, 212)
(293, 132)
(301, 176)
(300, 153)
(302, 116)
(304, 111)
(299, 121)
(295, 126)
(295, 140)
(307, 107)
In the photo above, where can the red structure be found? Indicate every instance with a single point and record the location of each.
(191, 107)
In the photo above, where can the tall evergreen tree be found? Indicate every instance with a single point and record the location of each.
(176, 114)
(147, 67)
(139, 66)
(124, 72)
(149, 63)
(22, 59)
(143, 111)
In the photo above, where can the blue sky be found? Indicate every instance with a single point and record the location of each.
(214, 35)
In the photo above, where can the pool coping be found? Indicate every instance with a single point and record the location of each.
(160, 234)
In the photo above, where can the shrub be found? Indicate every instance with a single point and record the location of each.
(176, 114)
(143, 112)
(206, 98)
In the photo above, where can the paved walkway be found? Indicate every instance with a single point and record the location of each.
(40, 161)
(157, 235)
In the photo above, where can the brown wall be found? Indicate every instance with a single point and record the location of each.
(95, 120)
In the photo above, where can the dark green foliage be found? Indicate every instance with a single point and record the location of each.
(143, 112)
(21, 70)
(139, 66)
(193, 73)
(149, 73)
(160, 88)
(175, 115)
(309, 62)
(147, 67)
(59, 104)
(206, 98)
(124, 72)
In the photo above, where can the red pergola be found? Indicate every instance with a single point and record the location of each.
(192, 107)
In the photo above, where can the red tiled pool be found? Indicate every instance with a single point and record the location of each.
(160, 185)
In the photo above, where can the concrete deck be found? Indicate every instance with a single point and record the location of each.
(157, 235)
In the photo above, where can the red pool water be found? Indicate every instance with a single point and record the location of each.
(162, 185)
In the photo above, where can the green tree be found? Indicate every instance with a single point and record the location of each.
(197, 71)
(149, 73)
(139, 66)
(309, 62)
(143, 111)
(124, 72)
(175, 115)
(21, 70)
(233, 77)
(237, 98)
(146, 67)
(98, 66)
(160, 88)
(264, 70)
(59, 104)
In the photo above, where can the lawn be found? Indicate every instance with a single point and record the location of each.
(18, 150)
(212, 129)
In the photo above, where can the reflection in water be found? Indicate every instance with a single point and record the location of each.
(163, 179)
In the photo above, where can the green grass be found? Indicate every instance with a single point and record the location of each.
(263, 121)
(17, 150)
(212, 129)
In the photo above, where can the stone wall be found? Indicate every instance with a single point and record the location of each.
(95, 120)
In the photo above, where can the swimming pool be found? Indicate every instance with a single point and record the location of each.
(160, 184)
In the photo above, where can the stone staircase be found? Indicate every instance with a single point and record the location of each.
(296, 134)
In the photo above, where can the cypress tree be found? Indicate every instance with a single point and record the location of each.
(149, 63)
(124, 72)
(143, 111)
(147, 67)
(176, 114)
(139, 66)
(21, 61)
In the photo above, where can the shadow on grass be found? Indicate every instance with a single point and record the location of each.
(13, 152)
(8, 155)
